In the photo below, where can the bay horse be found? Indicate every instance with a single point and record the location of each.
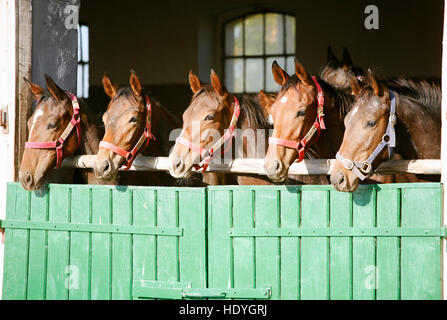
(60, 126)
(303, 108)
(213, 110)
(402, 116)
(340, 73)
(135, 123)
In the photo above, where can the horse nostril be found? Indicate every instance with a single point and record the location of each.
(177, 163)
(28, 178)
(106, 167)
(341, 179)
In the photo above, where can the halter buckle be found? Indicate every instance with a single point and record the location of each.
(348, 164)
(393, 119)
(366, 167)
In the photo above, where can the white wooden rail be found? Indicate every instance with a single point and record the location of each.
(256, 166)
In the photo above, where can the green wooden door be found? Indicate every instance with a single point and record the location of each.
(312, 242)
(102, 242)
(248, 242)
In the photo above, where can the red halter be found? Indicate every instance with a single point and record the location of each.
(227, 136)
(301, 146)
(144, 139)
(75, 122)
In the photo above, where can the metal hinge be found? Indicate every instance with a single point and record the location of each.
(4, 118)
(151, 289)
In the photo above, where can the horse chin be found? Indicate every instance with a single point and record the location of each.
(278, 179)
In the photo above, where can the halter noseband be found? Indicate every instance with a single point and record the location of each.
(209, 154)
(301, 146)
(75, 122)
(362, 169)
(145, 138)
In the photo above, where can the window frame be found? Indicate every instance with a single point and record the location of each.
(81, 62)
(263, 56)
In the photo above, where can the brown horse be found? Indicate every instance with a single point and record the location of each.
(294, 114)
(297, 112)
(402, 115)
(213, 110)
(53, 112)
(340, 73)
(134, 123)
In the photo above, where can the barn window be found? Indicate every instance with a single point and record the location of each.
(83, 61)
(252, 43)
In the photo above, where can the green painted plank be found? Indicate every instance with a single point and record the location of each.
(192, 245)
(220, 265)
(340, 247)
(421, 257)
(101, 270)
(290, 247)
(267, 249)
(363, 248)
(388, 249)
(16, 245)
(58, 245)
(144, 247)
(122, 245)
(167, 247)
(78, 273)
(243, 248)
(315, 251)
(37, 271)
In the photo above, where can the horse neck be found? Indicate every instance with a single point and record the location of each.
(417, 131)
(162, 123)
(90, 134)
(330, 139)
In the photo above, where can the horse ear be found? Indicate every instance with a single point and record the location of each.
(194, 82)
(355, 87)
(302, 74)
(110, 88)
(135, 83)
(347, 60)
(331, 56)
(55, 91)
(377, 88)
(217, 85)
(265, 100)
(279, 74)
(35, 89)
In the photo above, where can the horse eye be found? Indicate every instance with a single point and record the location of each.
(209, 117)
(301, 113)
(133, 119)
(371, 123)
(51, 125)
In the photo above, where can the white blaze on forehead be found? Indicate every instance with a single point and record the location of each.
(355, 110)
(38, 113)
(284, 99)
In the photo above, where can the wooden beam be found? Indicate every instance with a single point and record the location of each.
(23, 69)
(256, 166)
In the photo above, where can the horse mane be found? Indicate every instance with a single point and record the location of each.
(128, 93)
(425, 91)
(342, 100)
(250, 107)
(253, 112)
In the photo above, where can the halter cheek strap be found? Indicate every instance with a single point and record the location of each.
(144, 140)
(362, 169)
(208, 154)
(75, 122)
(301, 145)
